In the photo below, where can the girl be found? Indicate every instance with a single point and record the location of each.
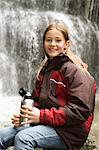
(64, 100)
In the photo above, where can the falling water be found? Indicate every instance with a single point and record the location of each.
(21, 31)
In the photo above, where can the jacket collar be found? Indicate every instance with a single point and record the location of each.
(55, 63)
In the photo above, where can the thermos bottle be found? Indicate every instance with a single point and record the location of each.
(28, 101)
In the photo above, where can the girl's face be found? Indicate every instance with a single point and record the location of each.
(54, 43)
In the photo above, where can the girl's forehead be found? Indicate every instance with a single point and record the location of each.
(54, 31)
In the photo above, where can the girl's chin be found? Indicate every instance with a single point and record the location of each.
(53, 55)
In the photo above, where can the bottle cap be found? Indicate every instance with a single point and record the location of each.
(28, 94)
(22, 92)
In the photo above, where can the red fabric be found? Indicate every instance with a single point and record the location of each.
(88, 123)
(53, 117)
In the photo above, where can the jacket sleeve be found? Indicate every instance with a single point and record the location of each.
(53, 117)
(75, 112)
(81, 101)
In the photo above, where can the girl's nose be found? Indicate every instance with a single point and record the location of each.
(53, 43)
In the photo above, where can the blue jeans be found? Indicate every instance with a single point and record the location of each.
(23, 138)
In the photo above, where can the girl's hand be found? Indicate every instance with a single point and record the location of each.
(15, 120)
(32, 113)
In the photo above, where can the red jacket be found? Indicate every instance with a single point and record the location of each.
(66, 97)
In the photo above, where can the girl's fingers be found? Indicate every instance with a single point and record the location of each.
(15, 122)
(26, 111)
(16, 115)
(27, 107)
(25, 116)
(15, 119)
(32, 114)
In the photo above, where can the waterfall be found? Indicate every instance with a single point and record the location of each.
(8, 79)
(22, 24)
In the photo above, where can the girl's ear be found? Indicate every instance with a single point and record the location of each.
(67, 45)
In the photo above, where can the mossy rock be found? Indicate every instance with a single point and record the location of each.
(89, 145)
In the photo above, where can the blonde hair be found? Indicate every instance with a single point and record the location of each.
(59, 25)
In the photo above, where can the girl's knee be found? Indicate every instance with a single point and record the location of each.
(23, 140)
(20, 136)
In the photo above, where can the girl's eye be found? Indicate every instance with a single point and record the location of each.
(58, 40)
(48, 40)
